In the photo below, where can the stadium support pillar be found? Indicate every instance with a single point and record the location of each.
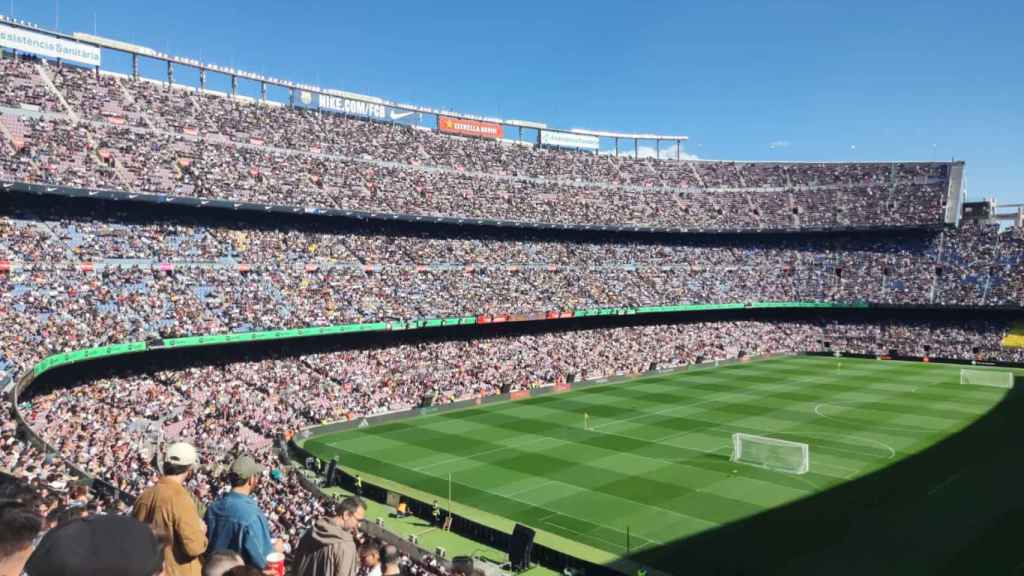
(657, 149)
(135, 66)
(234, 85)
(170, 73)
(679, 149)
(291, 97)
(616, 145)
(636, 147)
(263, 91)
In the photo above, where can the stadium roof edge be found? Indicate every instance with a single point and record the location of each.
(146, 52)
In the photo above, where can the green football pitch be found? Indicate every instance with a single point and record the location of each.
(655, 462)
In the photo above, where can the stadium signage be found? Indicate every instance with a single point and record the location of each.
(353, 107)
(467, 127)
(568, 140)
(45, 45)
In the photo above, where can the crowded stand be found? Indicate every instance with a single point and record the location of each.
(110, 132)
(79, 278)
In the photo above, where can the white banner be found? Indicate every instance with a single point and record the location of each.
(45, 45)
(354, 107)
(566, 140)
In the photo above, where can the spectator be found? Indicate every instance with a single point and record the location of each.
(221, 562)
(107, 545)
(235, 521)
(171, 509)
(20, 523)
(369, 558)
(329, 548)
(63, 514)
(391, 560)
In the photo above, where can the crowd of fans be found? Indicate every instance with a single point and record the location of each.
(119, 134)
(101, 277)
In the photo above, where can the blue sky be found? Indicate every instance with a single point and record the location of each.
(752, 81)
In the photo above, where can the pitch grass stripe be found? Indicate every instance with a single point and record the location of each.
(867, 431)
(685, 391)
(749, 407)
(883, 423)
(585, 475)
(513, 508)
(852, 449)
(796, 399)
(645, 447)
(581, 499)
(723, 465)
(840, 387)
(690, 424)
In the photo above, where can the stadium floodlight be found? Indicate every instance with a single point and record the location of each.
(994, 378)
(771, 453)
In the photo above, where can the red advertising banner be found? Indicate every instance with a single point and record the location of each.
(519, 394)
(465, 127)
(566, 314)
(553, 315)
(500, 318)
(483, 319)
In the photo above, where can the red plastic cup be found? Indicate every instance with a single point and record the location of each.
(275, 562)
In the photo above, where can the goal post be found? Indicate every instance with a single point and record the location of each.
(996, 378)
(771, 453)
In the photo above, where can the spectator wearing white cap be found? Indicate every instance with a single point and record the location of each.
(171, 509)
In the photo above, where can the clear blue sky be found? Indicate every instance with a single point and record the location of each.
(759, 81)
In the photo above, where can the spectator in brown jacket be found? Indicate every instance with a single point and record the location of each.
(329, 548)
(170, 509)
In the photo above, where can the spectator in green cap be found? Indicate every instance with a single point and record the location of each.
(235, 522)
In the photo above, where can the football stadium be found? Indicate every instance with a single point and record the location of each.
(253, 325)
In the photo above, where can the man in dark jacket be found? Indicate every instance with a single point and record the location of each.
(328, 548)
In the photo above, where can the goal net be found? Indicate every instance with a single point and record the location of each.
(997, 378)
(771, 453)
